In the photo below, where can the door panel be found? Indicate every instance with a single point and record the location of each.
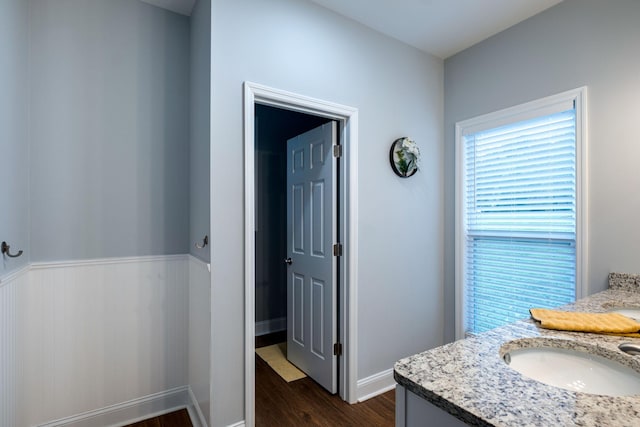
(317, 219)
(298, 309)
(317, 321)
(297, 232)
(311, 231)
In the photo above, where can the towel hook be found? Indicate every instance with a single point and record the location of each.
(5, 251)
(205, 242)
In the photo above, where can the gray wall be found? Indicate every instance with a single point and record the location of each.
(200, 69)
(576, 43)
(109, 123)
(14, 144)
(300, 47)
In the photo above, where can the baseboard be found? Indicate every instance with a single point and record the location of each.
(238, 424)
(195, 413)
(129, 412)
(375, 384)
(265, 327)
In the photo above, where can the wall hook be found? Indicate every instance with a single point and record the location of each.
(205, 242)
(5, 251)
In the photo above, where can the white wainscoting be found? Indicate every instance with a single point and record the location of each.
(200, 336)
(12, 289)
(83, 336)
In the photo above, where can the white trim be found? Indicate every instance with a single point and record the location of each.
(529, 110)
(269, 326)
(521, 112)
(349, 296)
(238, 424)
(582, 196)
(375, 385)
(200, 263)
(129, 412)
(195, 413)
(13, 275)
(107, 261)
(99, 261)
(459, 307)
(249, 256)
(348, 116)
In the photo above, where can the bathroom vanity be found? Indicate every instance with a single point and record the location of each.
(468, 382)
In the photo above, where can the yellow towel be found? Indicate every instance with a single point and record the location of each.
(600, 323)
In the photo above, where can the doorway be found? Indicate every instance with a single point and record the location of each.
(294, 254)
(273, 127)
(346, 120)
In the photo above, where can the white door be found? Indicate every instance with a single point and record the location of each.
(311, 273)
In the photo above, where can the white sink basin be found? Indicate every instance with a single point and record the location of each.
(574, 370)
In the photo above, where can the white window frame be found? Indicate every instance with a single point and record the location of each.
(511, 115)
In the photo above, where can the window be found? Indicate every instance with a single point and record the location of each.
(518, 208)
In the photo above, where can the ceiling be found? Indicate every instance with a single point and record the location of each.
(439, 27)
(183, 7)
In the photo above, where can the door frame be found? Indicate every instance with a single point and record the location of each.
(347, 118)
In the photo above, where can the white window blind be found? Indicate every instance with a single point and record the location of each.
(518, 219)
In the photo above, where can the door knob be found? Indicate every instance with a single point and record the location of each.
(288, 261)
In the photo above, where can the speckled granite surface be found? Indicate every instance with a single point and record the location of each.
(469, 379)
(624, 282)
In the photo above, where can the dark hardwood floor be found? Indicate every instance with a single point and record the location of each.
(305, 403)
(174, 419)
(298, 403)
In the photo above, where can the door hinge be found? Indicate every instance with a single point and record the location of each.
(337, 151)
(337, 249)
(337, 349)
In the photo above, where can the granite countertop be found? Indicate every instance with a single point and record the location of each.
(469, 379)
